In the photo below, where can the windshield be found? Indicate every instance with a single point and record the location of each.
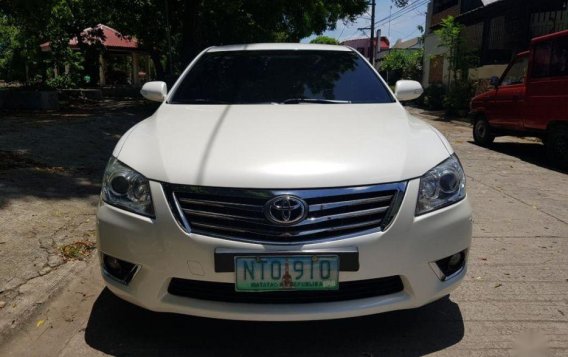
(517, 72)
(280, 76)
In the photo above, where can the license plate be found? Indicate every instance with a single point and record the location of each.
(294, 272)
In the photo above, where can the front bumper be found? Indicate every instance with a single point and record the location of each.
(162, 251)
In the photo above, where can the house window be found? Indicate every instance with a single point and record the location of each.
(497, 33)
(473, 36)
(468, 5)
(441, 5)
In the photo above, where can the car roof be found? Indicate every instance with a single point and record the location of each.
(549, 37)
(279, 46)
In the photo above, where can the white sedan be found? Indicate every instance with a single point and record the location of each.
(282, 182)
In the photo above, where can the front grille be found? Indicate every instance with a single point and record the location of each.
(240, 213)
(350, 290)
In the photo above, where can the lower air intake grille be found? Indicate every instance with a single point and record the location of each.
(350, 290)
(241, 214)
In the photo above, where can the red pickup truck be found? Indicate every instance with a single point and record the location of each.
(530, 99)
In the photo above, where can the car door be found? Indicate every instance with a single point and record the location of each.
(507, 109)
(547, 88)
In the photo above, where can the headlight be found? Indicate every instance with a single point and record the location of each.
(125, 188)
(441, 186)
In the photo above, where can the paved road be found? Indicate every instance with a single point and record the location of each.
(514, 300)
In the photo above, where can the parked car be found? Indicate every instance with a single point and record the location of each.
(530, 98)
(282, 182)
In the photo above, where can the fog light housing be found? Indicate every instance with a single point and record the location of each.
(450, 266)
(117, 269)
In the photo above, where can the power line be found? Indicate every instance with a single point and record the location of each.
(399, 15)
(406, 9)
(403, 11)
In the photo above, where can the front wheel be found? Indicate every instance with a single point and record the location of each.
(482, 132)
(557, 147)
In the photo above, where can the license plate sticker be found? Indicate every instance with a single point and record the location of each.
(294, 272)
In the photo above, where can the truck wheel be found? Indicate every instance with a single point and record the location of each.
(482, 132)
(557, 147)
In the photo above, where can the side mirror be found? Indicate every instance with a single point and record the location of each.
(156, 91)
(494, 81)
(405, 90)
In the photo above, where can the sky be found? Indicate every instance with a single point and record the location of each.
(402, 25)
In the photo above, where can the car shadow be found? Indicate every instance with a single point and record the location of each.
(62, 154)
(119, 328)
(533, 153)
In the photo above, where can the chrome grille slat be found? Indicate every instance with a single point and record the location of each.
(239, 214)
(287, 234)
(325, 206)
(254, 208)
(221, 215)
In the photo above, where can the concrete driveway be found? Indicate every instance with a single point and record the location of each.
(514, 300)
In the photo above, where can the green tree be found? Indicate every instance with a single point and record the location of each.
(325, 40)
(460, 60)
(408, 63)
(193, 24)
(9, 45)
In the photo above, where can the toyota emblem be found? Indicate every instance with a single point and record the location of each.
(285, 210)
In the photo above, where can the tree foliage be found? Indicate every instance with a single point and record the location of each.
(193, 24)
(325, 40)
(408, 63)
(460, 60)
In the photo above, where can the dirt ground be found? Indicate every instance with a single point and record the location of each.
(513, 301)
(51, 166)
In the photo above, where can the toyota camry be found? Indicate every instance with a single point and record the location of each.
(282, 182)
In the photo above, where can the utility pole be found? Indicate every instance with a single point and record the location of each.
(390, 15)
(372, 47)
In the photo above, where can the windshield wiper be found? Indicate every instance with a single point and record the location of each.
(314, 100)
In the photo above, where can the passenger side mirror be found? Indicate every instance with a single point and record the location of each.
(494, 81)
(406, 90)
(156, 91)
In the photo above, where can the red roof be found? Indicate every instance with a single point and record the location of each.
(110, 38)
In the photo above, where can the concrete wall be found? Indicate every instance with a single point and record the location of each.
(35, 100)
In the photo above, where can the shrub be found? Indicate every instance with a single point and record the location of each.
(433, 97)
(458, 97)
(61, 82)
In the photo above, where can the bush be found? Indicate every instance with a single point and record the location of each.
(458, 97)
(407, 64)
(325, 40)
(433, 97)
(61, 82)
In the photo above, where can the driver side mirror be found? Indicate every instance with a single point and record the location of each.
(156, 91)
(406, 90)
(494, 81)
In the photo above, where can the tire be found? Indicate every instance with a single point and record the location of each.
(557, 147)
(482, 132)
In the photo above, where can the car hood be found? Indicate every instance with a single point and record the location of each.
(282, 146)
(485, 95)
